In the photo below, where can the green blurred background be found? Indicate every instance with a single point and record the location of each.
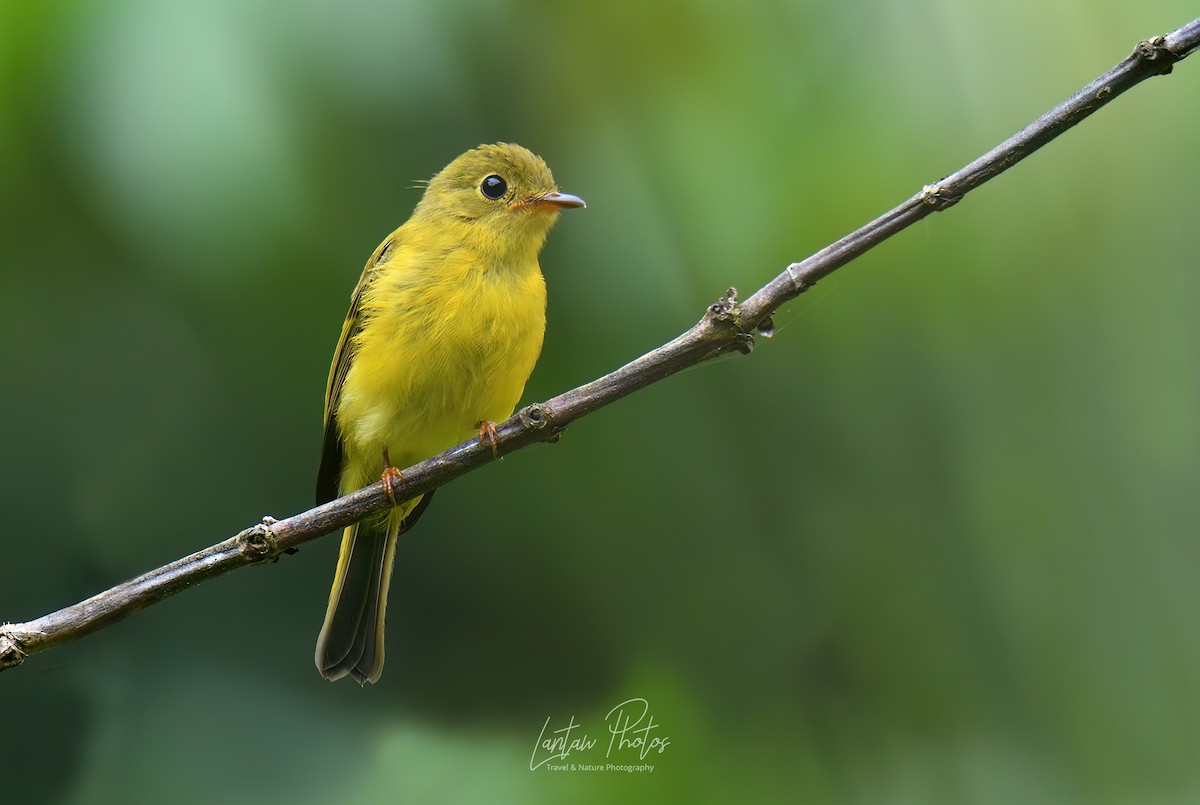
(933, 543)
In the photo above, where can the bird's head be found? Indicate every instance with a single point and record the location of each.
(501, 191)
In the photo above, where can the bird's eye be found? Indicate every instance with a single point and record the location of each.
(494, 187)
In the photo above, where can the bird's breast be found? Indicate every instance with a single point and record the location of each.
(442, 347)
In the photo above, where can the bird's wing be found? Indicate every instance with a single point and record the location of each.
(329, 475)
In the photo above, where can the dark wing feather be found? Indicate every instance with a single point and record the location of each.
(330, 472)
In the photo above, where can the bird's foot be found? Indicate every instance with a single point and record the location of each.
(487, 435)
(391, 477)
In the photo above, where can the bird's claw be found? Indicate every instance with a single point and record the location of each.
(391, 477)
(488, 436)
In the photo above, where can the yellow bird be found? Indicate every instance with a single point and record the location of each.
(444, 328)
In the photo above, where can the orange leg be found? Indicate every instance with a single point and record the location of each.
(487, 435)
(391, 477)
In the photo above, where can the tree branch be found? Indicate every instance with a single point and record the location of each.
(727, 326)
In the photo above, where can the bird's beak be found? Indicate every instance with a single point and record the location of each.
(555, 201)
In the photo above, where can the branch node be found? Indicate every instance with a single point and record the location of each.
(540, 417)
(1156, 50)
(725, 307)
(795, 273)
(11, 652)
(534, 417)
(744, 342)
(934, 195)
(724, 312)
(258, 543)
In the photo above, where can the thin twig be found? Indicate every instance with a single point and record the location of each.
(727, 326)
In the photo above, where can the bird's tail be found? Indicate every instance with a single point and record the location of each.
(351, 640)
